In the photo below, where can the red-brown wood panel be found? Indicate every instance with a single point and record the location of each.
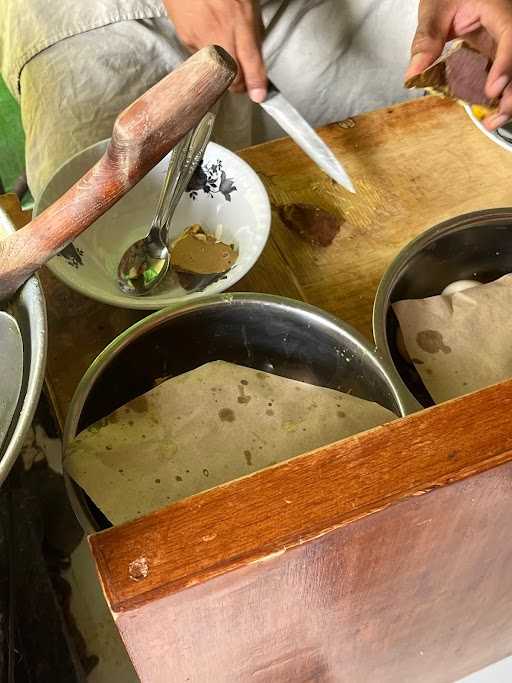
(421, 591)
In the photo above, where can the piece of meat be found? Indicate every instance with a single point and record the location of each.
(313, 224)
(460, 74)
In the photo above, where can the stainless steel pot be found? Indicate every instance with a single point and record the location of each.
(264, 332)
(28, 307)
(472, 246)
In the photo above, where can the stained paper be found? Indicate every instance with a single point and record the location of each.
(204, 428)
(462, 342)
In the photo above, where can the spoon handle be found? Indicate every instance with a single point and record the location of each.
(200, 139)
(178, 156)
(143, 134)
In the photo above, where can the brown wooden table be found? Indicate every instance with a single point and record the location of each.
(385, 557)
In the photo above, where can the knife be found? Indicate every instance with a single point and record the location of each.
(301, 132)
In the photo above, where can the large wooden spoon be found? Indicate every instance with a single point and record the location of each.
(143, 134)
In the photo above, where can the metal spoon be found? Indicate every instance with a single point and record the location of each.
(145, 264)
(11, 370)
(143, 257)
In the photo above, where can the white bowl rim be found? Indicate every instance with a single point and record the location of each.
(147, 303)
(492, 135)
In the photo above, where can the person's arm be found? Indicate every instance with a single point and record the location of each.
(235, 25)
(487, 25)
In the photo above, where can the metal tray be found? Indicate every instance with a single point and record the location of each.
(29, 309)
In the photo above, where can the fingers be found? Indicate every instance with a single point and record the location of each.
(495, 121)
(248, 53)
(496, 18)
(500, 74)
(235, 25)
(434, 21)
(504, 113)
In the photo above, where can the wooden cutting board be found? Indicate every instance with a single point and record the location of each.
(414, 165)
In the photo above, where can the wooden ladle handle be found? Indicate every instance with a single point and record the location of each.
(143, 134)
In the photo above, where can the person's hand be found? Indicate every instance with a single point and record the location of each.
(486, 25)
(235, 25)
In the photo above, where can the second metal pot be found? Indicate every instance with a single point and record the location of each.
(476, 245)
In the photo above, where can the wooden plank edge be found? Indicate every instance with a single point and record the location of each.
(475, 438)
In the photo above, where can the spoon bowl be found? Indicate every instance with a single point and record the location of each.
(143, 266)
(145, 263)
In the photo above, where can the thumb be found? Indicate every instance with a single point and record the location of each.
(434, 22)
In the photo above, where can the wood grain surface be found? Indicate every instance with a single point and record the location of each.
(414, 165)
(359, 562)
(142, 135)
(419, 593)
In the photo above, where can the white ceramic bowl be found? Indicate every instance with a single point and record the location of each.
(502, 136)
(227, 193)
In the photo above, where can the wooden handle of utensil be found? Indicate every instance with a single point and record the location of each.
(143, 134)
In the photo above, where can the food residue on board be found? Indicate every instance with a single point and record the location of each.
(311, 223)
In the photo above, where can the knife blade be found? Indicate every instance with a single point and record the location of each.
(278, 107)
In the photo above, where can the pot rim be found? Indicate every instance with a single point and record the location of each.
(31, 297)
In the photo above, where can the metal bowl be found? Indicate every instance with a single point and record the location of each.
(268, 333)
(28, 307)
(476, 245)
